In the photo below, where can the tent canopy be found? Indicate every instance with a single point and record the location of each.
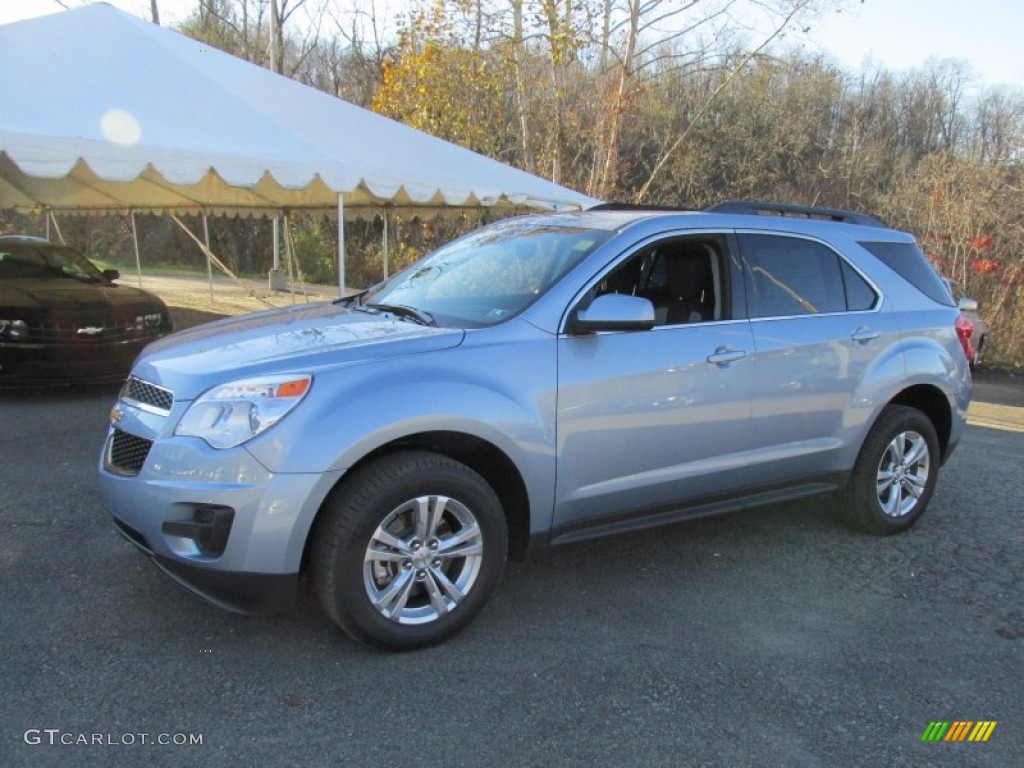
(106, 112)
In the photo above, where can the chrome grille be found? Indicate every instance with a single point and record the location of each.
(144, 393)
(88, 327)
(127, 452)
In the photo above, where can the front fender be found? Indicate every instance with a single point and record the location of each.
(481, 390)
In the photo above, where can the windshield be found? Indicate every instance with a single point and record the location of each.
(19, 261)
(489, 275)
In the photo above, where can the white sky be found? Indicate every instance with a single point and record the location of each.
(896, 34)
(904, 34)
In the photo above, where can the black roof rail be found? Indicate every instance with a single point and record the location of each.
(803, 211)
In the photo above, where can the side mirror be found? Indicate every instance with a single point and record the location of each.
(613, 312)
(967, 305)
(111, 274)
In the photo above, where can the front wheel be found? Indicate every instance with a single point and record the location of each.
(895, 473)
(409, 551)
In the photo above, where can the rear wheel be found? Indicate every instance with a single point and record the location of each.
(894, 477)
(411, 549)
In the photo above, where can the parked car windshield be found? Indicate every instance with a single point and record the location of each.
(20, 261)
(489, 275)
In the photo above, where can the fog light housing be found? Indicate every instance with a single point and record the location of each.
(205, 534)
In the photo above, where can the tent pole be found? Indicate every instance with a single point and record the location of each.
(209, 264)
(385, 243)
(341, 246)
(289, 254)
(60, 235)
(277, 242)
(276, 278)
(47, 218)
(135, 242)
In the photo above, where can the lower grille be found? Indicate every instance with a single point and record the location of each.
(128, 453)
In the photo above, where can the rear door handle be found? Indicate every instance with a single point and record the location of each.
(723, 356)
(865, 334)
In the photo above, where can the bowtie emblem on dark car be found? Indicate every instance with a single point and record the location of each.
(90, 330)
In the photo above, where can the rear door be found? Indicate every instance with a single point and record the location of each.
(817, 333)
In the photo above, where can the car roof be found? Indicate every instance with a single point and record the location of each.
(738, 214)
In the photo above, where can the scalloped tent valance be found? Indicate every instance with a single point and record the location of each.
(106, 112)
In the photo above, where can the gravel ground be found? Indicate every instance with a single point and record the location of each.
(189, 300)
(773, 637)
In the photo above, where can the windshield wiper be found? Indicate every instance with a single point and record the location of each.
(410, 313)
(354, 298)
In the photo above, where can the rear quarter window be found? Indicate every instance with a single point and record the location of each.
(910, 263)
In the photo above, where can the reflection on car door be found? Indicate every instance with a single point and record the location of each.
(650, 419)
(816, 332)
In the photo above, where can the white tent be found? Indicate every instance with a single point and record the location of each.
(103, 111)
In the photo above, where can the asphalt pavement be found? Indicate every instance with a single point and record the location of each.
(774, 637)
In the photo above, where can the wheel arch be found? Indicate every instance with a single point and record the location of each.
(934, 404)
(480, 455)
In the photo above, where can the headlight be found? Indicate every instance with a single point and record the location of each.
(232, 413)
(146, 322)
(15, 330)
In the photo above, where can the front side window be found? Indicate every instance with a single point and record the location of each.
(682, 278)
(790, 276)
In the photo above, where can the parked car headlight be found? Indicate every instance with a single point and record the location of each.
(15, 330)
(148, 322)
(232, 413)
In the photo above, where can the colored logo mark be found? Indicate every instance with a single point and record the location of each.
(959, 730)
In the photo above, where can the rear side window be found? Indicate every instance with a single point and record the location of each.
(908, 261)
(789, 276)
(859, 295)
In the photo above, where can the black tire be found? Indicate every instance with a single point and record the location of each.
(429, 584)
(894, 477)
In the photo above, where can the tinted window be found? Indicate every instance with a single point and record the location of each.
(791, 276)
(26, 260)
(859, 295)
(910, 263)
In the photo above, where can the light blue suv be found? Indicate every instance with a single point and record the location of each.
(539, 381)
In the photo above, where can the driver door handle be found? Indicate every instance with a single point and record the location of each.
(723, 356)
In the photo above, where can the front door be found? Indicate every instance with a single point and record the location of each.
(655, 421)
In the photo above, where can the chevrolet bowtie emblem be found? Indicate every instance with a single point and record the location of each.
(90, 330)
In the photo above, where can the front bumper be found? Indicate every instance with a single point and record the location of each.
(31, 363)
(237, 592)
(218, 523)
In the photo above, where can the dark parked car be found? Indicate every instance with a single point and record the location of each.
(61, 318)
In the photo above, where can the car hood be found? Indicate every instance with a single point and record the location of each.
(298, 339)
(39, 297)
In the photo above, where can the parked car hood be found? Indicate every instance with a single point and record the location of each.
(299, 339)
(41, 296)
